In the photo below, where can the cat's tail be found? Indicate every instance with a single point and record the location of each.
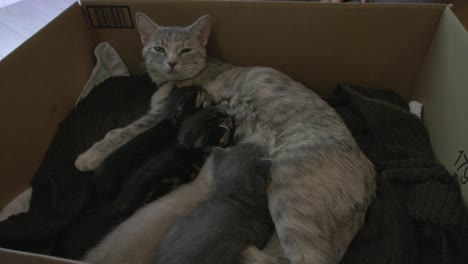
(253, 255)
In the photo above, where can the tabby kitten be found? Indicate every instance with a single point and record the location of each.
(235, 217)
(322, 183)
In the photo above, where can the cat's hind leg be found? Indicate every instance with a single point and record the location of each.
(319, 204)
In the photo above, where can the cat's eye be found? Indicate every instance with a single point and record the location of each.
(159, 49)
(184, 51)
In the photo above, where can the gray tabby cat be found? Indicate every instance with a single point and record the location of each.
(322, 183)
(235, 217)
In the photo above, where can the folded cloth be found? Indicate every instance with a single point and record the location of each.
(418, 215)
(107, 209)
(18, 205)
(108, 64)
(60, 191)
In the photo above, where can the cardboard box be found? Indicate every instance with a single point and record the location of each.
(418, 51)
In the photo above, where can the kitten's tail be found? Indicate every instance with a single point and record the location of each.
(253, 255)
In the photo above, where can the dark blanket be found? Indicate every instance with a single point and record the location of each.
(418, 215)
(60, 191)
(72, 211)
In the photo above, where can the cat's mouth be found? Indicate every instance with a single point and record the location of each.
(174, 72)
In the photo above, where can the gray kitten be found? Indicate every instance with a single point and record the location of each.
(322, 183)
(235, 217)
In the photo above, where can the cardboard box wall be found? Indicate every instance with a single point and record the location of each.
(418, 51)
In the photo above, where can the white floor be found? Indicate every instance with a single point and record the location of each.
(20, 19)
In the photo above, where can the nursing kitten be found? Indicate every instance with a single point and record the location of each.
(194, 140)
(146, 168)
(180, 159)
(322, 183)
(171, 150)
(111, 178)
(234, 217)
(136, 240)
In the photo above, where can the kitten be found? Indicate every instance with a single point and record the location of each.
(195, 138)
(149, 166)
(136, 240)
(180, 160)
(110, 177)
(322, 183)
(234, 217)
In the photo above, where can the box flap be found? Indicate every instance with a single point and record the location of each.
(39, 83)
(443, 89)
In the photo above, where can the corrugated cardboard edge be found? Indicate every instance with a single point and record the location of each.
(8, 256)
(443, 89)
(39, 83)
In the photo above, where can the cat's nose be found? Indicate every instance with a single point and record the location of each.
(172, 64)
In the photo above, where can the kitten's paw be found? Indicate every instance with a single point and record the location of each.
(89, 160)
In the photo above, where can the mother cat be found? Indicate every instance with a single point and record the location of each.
(322, 184)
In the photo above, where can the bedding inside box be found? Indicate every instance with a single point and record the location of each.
(331, 53)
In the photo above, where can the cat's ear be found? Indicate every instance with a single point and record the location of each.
(202, 28)
(263, 167)
(146, 26)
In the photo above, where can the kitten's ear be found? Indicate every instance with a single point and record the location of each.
(263, 167)
(146, 26)
(226, 126)
(227, 123)
(226, 132)
(202, 28)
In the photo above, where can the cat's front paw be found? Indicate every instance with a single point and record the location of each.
(89, 160)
